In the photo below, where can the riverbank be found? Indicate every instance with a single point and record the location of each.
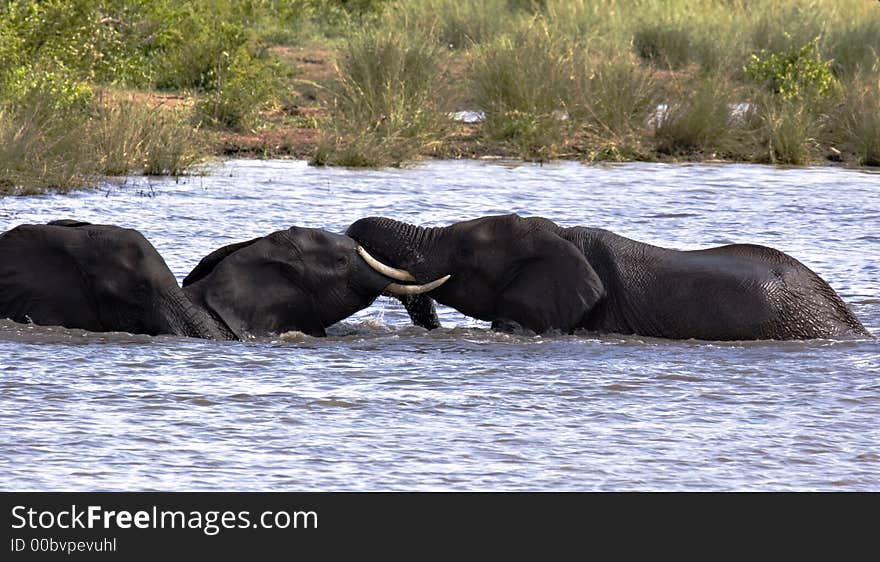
(298, 130)
(99, 87)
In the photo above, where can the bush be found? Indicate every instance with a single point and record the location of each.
(244, 85)
(797, 74)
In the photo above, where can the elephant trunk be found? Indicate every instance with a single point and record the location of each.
(401, 245)
(406, 247)
(189, 320)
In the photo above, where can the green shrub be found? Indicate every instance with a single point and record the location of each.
(196, 50)
(12, 67)
(796, 74)
(102, 41)
(243, 86)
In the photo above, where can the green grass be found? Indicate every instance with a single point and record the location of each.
(788, 132)
(526, 83)
(386, 105)
(664, 45)
(127, 137)
(697, 120)
(42, 148)
(860, 120)
(616, 98)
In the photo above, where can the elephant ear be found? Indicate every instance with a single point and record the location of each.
(209, 262)
(554, 287)
(255, 293)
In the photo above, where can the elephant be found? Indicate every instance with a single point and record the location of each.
(302, 279)
(94, 277)
(531, 274)
(107, 278)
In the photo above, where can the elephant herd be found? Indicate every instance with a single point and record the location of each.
(525, 275)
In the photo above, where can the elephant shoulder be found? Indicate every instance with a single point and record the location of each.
(80, 238)
(212, 260)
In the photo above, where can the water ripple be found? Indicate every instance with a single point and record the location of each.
(382, 405)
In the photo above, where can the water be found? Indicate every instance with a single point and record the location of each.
(381, 405)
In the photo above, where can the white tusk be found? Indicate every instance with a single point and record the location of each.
(386, 270)
(396, 289)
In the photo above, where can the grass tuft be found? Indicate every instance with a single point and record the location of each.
(860, 118)
(697, 120)
(664, 45)
(386, 109)
(525, 82)
(789, 131)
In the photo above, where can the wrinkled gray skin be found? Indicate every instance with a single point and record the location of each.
(106, 278)
(530, 274)
(94, 277)
(301, 279)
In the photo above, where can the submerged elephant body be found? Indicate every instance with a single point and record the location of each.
(732, 292)
(518, 273)
(106, 278)
(95, 277)
(531, 273)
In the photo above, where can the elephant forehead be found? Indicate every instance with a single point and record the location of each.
(316, 239)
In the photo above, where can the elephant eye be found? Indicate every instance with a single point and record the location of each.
(342, 261)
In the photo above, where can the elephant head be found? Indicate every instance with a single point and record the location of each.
(301, 279)
(515, 272)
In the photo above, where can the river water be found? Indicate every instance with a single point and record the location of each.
(381, 405)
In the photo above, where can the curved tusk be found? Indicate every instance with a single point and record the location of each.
(386, 270)
(396, 289)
